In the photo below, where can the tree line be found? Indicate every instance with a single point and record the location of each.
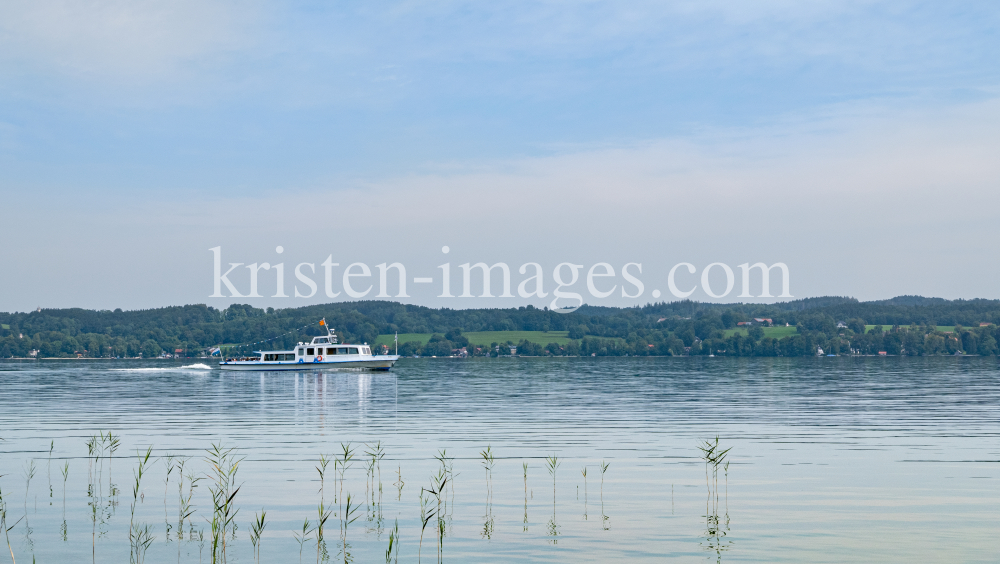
(908, 326)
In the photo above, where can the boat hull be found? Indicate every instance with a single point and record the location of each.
(370, 363)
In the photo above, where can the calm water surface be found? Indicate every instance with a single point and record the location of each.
(832, 460)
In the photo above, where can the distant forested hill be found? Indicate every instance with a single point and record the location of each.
(910, 325)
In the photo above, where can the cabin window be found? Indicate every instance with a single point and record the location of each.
(353, 351)
(268, 357)
(342, 350)
(289, 356)
(331, 350)
(323, 340)
(310, 351)
(300, 351)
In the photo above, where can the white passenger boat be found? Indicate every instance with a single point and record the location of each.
(322, 353)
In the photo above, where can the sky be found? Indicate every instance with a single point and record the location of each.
(855, 142)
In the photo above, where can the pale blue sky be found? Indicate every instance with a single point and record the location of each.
(131, 126)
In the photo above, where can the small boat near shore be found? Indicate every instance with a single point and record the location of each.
(320, 353)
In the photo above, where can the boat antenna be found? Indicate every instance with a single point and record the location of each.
(329, 330)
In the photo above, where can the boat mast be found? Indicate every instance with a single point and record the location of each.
(329, 331)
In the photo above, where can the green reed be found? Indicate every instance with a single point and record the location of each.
(426, 514)
(65, 474)
(448, 465)
(369, 478)
(48, 469)
(714, 456)
(378, 453)
(184, 507)
(524, 467)
(324, 514)
(64, 528)
(303, 537)
(437, 489)
(224, 466)
(144, 538)
(348, 517)
(29, 473)
(113, 442)
(604, 518)
(93, 529)
(447, 470)
(181, 462)
(321, 469)
(3, 524)
(222, 476)
(101, 447)
(256, 529)
(393, 545)
(342, 465)
(488, 462)
(168, 462)
(726, 466)
(374, 453)
(91, 447)
(552, 464)
(139, 536)
(431, 508)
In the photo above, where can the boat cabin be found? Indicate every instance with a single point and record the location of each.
(310, 350)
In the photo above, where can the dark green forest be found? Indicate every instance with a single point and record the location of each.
(906, 325)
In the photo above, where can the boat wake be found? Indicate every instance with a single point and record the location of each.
(198, 366)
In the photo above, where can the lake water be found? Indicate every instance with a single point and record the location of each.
(832, 460)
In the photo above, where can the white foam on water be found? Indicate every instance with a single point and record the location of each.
(198, 366)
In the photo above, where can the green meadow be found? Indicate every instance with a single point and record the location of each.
(481, 338)
(774, 332)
